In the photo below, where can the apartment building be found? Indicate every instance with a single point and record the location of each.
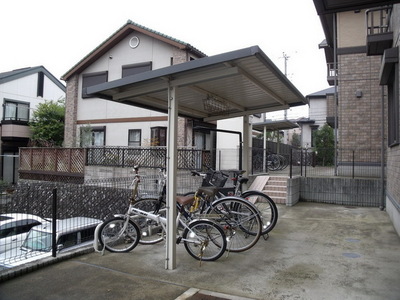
(320, 113)
(362, 50)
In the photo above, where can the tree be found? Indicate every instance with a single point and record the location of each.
(47, 124)
(296, 140)
(324, 145)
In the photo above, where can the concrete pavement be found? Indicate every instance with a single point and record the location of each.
(316, 251)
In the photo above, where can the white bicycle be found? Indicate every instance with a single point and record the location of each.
(204, 239)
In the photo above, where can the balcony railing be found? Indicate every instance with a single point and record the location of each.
(332, 73)
(379, 36)
(378, 20)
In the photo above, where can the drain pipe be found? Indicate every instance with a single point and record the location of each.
(336, 67)
(382, 207)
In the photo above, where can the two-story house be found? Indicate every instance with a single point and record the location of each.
(20, 92)
(319, 114)
(362, 51)
(132, 49)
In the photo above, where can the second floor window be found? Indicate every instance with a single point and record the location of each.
(134, 137)
(92, 79)
(16, 111)
(129, 70)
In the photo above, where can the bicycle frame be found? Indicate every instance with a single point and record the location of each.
(132, 212)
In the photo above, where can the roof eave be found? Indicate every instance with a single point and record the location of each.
(32, 70)
(120, 34)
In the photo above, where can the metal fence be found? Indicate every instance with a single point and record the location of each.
(365, 163)
(96, 199)
(152, 157)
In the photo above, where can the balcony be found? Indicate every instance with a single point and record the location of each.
(379, 36)
(12, 131)
(332, 74)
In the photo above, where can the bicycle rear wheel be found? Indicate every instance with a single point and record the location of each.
(204, 240)
(240, 220)
(267, 208)
(116, 238)
(151, 231)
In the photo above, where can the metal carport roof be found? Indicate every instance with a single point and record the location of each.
(232, 84)
(275, 125)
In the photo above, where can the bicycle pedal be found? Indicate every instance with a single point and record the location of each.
(178, 240)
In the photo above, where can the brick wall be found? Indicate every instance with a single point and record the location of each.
(359, 118)
(71, 105)
(393, 153)
(330, 109)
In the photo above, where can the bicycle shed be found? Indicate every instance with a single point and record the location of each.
(272, 126)
(233, 84)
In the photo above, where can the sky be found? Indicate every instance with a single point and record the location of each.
(58, 34)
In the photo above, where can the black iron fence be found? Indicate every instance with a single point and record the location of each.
(152, 157)
(94, 199)
(61, 164)
(346, 163)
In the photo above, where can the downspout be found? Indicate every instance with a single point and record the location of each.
(335, 85)
(382, 207)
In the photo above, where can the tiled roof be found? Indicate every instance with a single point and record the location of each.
(168, 37)
(322, 93)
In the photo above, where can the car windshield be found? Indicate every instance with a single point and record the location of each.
(37, 241)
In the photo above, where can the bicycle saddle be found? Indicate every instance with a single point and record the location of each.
(185, 200)
(209, 191)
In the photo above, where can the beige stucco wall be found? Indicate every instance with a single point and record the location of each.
(351, 29)
(97, 112)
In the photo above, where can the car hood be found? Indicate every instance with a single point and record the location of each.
(18, 256)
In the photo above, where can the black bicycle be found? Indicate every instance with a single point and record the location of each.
(238, 217)
(217, 179)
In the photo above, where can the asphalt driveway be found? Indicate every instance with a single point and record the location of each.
(316, 251)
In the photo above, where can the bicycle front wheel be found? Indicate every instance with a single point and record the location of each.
(204, 240)
(151, 230)
(240, 220)
(119, 235)
(267, 208)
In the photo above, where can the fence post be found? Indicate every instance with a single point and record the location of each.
(301, 162)
(353, 166)
(123, 157)
(290, 162)
(219, 159)
(306, 162)
(54, 224)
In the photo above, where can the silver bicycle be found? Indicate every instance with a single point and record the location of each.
(203, 239)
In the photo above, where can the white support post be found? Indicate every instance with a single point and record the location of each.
(170, 260)
(265, 150)
(246, 145)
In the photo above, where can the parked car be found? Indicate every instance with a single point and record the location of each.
(71, 233)
(14, 228)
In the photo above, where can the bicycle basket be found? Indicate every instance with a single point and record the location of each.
(218, 179)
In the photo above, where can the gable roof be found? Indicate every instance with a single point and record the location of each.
(120, 34)
(322, 93)
(20, 73)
